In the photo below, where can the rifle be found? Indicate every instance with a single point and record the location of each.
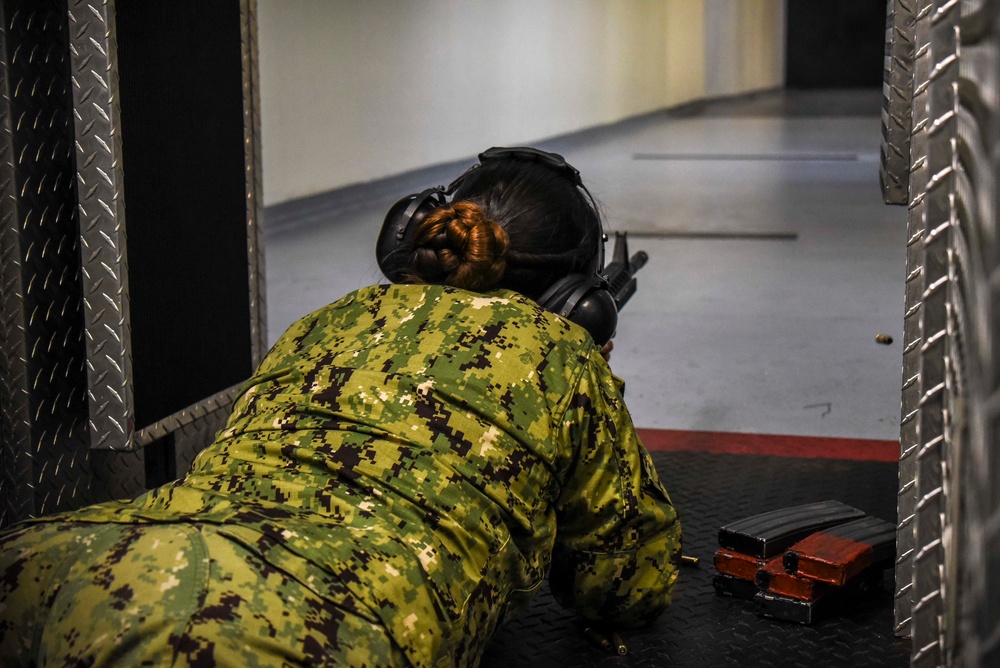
(620, 272)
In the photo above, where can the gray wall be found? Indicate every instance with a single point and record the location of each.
(355, 91)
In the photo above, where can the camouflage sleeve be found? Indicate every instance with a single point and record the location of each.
(618, 536)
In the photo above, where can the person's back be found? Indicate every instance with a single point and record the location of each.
(413, 458)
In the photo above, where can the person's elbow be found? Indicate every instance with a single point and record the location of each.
(627, 588)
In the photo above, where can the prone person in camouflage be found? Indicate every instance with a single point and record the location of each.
(404, 469)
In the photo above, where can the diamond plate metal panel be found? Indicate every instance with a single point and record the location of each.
(100, 175)
(203, 410)
(897, 100)
(16, 496)
(191, 438)
(972, 569)
(44, 401)
(41, 308)
(912, 331)
(254, 180)
(939, 369)
(102, 223)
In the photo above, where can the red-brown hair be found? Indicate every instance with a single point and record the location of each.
(460, 246)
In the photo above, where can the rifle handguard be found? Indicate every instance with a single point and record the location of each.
(620, 272)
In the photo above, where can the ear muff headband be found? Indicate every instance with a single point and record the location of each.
(529, 154)
(391, 247)
(558, 163)
(404, 219)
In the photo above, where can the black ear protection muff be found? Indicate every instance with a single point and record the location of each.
(395, 240)
(583, 298)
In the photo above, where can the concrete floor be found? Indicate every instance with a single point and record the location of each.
(773, 261)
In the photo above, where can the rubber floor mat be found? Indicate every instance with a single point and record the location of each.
(704, 629)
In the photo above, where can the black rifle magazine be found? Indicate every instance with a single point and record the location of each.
(770, 533)
(786, 609)
(727, 585)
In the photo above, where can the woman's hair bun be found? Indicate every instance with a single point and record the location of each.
(459, 245)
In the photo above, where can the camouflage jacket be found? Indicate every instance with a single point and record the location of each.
(436, 452)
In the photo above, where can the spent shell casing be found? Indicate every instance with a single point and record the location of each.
(884, 339)
(689, 561)
(619, 644)
(596, 638)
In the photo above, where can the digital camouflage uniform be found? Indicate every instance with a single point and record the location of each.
(404, 469)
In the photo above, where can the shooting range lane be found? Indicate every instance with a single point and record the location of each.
(767, 280)
(769, 276)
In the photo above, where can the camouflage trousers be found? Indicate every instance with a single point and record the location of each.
(74, 593)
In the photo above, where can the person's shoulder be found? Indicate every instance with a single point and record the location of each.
(557, 326)
(521, 313)
(360, 298)
(449, 306)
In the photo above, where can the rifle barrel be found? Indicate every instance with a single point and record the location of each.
(637, 261)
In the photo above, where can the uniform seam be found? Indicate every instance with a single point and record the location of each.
(202, 572)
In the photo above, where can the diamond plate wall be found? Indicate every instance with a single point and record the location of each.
(254, 180)
(64, 294)
(912, 332)
(190, 438)
(972, 569)
(43, 407)
(897, 100)
(102, 222)
(43, 402)
(15, 424)
(940, 368)
(950, 601)
(101, 173)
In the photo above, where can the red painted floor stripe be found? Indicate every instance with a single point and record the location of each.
(812, 447)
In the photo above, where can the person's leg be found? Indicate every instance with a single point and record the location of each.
(130, 591)
(171, 594)
(97, 594)
(33, 564)
(257, 615)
